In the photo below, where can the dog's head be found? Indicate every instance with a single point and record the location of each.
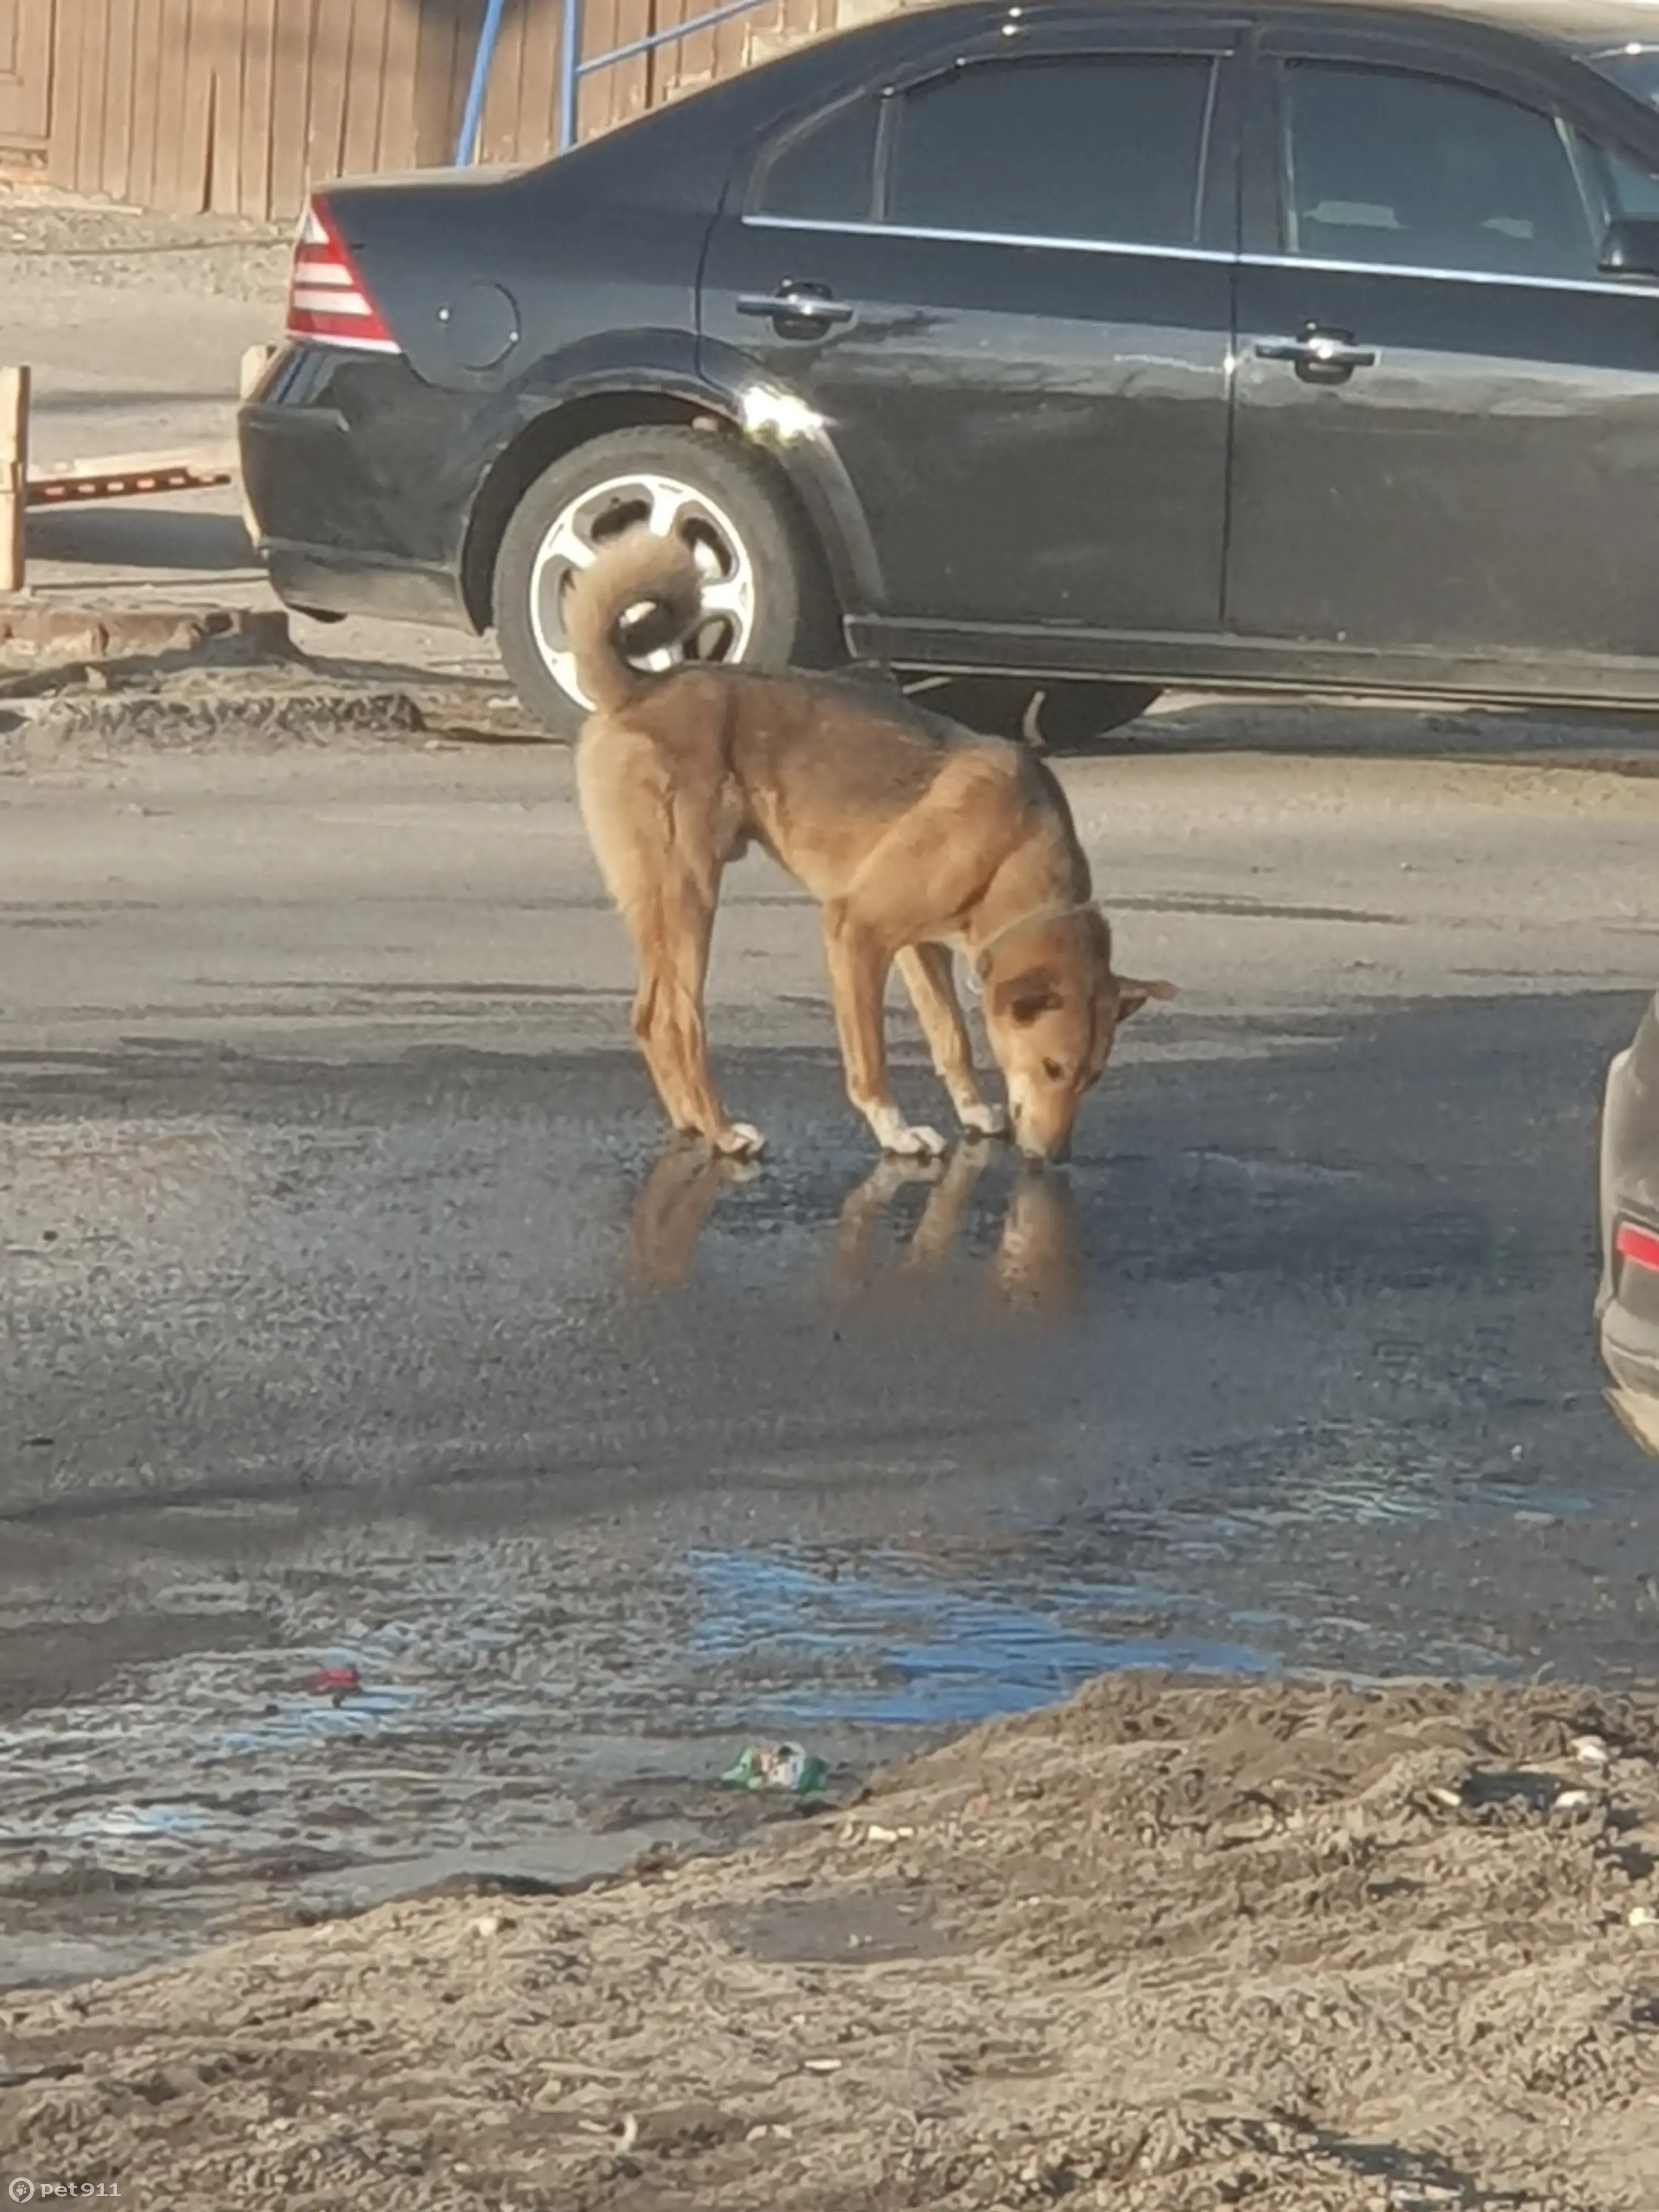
(1052, 1009)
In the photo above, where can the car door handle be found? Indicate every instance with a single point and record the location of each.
(1319, 355)
(809, 304)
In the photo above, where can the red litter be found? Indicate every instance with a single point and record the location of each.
(337, 1681)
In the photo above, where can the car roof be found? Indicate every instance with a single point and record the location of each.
(1578, 26)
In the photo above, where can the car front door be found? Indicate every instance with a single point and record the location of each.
(1446, 438)
(1003, 289)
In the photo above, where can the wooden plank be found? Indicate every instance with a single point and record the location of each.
(79, 98)
(14, 474)
(208, 24)
(687, 61)
(26, 72)
(731, 37)
(439, 90)
(330, 50)
(610, 95)
(148, 31)
(396, 147)
(500, 124)
(365, 87)
(538, 91)
(132, 475)
(120, 56)
(631, 81)
(256, 360)
(290, 105)
(212, 456)
(63, 149)
(226, 49)
(173, 71)
(183, 180)
(253, 133)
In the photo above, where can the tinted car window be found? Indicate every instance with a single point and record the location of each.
(1388, 168)
(826, 172)
(1108, 148)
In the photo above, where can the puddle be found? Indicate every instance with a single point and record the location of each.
(527, 1708)
(889, 1646)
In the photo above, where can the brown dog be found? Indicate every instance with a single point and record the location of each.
(915, 836)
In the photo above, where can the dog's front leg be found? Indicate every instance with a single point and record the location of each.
(858, 961)
(927, 972)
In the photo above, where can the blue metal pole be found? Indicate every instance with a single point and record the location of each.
(570, 42)
(466, 148)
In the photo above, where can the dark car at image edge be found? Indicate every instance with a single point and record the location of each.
(1628, 1305)
(1091, 349)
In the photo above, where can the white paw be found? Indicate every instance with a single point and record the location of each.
(982, 1120)
(912, 1143)
(740, 1140)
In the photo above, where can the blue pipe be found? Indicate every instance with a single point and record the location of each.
(570, 41)
(638, 46)
(466, 147)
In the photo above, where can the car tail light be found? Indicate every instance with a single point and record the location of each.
(1640, 1247)
(328, 301)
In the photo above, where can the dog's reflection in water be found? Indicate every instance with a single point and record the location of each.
(1035, 1264)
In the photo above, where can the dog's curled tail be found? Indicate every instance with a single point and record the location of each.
(653, 579)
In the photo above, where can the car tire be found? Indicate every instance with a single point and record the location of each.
(776, 608)
(1069, 716)
(1072, 717)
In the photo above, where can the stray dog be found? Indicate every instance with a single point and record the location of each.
(914, 834)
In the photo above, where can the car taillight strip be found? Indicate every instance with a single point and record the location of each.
(328, 302)
(1639, 1245)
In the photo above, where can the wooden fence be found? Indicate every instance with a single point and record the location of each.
(239, 106)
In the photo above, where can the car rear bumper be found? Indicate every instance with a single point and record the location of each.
(1630, 1352)
(1627, 1302)
(323, 580)
(362, 477)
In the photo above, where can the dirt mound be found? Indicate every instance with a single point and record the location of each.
(1301, 1949)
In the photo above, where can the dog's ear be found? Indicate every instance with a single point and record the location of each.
(1132, 995)
(1023, 998)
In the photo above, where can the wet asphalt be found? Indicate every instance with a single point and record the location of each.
(360, 1329)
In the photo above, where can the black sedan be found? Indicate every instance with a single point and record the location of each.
(1055, 353)
(1628, 1305)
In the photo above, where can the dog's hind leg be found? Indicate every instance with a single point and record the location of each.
(662, 860)
(927, 972)
(672, 928)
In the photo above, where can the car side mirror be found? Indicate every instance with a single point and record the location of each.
(1630, 247)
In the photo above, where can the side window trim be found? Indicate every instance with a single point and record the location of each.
(1619, 288)
(802, 126)
(887, 130)
(1121, 246)
(891, 99)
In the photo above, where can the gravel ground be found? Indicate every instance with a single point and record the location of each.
(1163, 1948)
(52, 237)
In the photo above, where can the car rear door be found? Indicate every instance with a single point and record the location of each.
(1003, 289)
(1446, 440)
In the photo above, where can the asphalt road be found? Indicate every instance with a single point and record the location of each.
(354, 1314)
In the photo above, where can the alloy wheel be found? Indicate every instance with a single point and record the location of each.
(670, 507)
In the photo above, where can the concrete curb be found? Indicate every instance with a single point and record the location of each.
(36, 633)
